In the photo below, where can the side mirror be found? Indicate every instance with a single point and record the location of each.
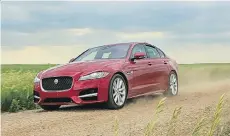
(139, 55)
(71, 60)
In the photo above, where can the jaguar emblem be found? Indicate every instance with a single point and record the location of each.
(55, 81)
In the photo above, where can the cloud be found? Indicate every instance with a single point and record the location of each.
(62, 54)
(198, 53)
(140, 35)
(42, 54)
(47, 26)
(10, 10)
(96, 37)
(121, 16)
(81, 32)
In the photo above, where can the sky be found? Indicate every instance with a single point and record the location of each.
(54, 32)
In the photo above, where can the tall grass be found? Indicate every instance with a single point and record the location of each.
(173, 121)
(217, 116)
(198, 127)
(16, 91)
(150, 127)
(116, 127)
(17, 86)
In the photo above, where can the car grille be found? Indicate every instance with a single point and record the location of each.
(57, 83)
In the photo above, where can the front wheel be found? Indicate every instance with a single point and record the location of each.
(172, 85)
(50, 107)
(118, 90)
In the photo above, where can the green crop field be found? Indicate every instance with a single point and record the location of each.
(17, 86)
(17, 81)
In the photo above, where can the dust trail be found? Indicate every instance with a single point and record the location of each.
(194, 81)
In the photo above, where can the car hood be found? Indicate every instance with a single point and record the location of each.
(78, 68)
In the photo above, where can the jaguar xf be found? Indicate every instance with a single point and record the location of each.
(108, 74)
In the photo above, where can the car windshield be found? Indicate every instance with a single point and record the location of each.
(105, 52)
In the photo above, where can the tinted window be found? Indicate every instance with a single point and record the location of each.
(152, 52)
(138, 48)
(162, 55)
(105, 52)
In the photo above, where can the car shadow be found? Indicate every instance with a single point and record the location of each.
(101, 106)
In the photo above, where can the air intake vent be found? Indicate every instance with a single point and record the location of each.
(89, 94)
(50, 100)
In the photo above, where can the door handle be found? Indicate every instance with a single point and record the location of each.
(149, 63)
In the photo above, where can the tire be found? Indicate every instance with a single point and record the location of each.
(50, 107)
(118, 91)
(172, 89)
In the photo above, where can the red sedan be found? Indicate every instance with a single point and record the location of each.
(108, 74)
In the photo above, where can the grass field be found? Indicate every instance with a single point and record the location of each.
(17, 81)
(17, 86)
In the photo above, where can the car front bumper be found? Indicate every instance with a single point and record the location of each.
(81, 92)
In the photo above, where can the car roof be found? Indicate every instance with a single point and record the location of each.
(125, 43)
(128, 43)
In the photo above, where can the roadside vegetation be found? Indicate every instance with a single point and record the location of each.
(17, 86)
(207, 125)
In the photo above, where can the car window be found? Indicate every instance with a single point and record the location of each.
(162, 54)
(105, 52)
(138, 48)
(107, 55)
(152, 52)
(90, 56)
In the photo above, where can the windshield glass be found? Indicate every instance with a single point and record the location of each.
(105, 52)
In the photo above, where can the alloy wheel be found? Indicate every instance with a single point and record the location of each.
(119, 91)
(173, 84)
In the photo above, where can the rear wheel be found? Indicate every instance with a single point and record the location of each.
(172, 85)
(117, 92)
(50, 107)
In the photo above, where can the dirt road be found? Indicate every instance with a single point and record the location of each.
(132, 119)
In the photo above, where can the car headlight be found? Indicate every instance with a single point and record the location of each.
(36, 80)
(94, 75)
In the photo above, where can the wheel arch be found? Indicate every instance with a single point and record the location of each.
(174, 72)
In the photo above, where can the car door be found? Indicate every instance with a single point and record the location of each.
(158, 70)
(140, 69)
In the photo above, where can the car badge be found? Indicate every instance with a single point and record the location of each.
(55, 81)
